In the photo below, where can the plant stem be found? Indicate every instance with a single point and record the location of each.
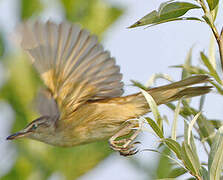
(205, 9)
(219, 38)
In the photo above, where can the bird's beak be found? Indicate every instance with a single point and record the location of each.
(17, 135)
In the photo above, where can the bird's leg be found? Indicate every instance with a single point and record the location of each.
(125, 146)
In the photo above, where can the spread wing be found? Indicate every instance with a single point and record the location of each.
(71, 63)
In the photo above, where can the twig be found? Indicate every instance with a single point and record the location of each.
(218, 37)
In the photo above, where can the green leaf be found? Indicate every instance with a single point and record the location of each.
(176, 161)
(187, 64)
(138, 84)
(186, 127)
(175, 119)
(189, 152)
(214, 13)
(177, 172)
(174, 146)
(175, 9)
(216, 123)
(154, 126)
(150, 18)
(201, 102)
(208, 19)
(215, 160)
(204, 173)
(153, 107)
(164, 164)
(211, 69)
(30, 8)
(212, 4)
(176, 19)
(189, 159)
(205, 127)
(191, 126)
(167, 12)
(212, 51)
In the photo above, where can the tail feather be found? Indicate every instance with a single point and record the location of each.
(190, 92)
(171, 92)
(185, 82)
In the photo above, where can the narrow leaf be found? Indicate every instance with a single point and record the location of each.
(154, 108)
(174, 146)
(191, 126)
(212, 51)
(150, 18)
(177, 172)
(187, 64)
(204, 173)
(175, 119)
(177, 162)
(164, 164)
(215, 160)
(201, 102)
(175, 9)
(138, 84)
(176, 19)
(212, 4)
(216, 123)
(154, 126)
(186, 127)
(190, 161)
(214, 12)
(167, 12)
(211, 69)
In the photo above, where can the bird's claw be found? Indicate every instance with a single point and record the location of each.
(124, 150)
(125, 146)
(129, 152)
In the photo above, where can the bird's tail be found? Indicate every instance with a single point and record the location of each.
(171, 92)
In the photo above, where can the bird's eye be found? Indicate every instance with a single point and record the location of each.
(34, 126)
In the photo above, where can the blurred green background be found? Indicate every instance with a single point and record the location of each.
(35, 160)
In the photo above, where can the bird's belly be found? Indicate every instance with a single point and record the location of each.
(83, 134)
(90, 123)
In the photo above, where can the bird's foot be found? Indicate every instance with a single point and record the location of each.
(125, 146)
(123, 149)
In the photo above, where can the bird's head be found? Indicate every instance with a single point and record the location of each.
(39, 129)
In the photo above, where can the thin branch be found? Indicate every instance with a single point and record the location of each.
(219, 38)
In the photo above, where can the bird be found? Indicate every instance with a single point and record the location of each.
(81, 98)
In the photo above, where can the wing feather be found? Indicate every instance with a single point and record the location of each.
(72, 64)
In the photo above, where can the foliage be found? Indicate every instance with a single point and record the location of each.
(36, 160)
(179, 155)
(184, 156)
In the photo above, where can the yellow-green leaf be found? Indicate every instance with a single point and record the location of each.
(212, 4)
(153, 107)
(176, 9)
(167, 12)
(173, 146)
(215, 160)
(155, 128)
(210, 67)
(175, 119)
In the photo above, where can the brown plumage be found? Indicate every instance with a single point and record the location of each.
(82, 100)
